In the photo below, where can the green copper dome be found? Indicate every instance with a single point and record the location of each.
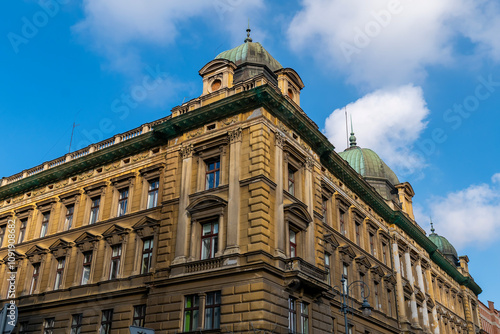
(368, 164)
(444, 246)
(249, 52)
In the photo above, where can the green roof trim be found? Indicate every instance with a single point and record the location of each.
(278, 105)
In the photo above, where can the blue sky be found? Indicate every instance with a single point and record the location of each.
(421, 81)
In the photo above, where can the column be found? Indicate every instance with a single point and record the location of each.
(400, 299)
(309, 201)
(186, 153)
(421, 284)
(279, 227)
(233, 207)
(413, 299)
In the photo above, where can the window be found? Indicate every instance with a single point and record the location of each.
(212, 310)
(351, 329)
(345, 275)
(59, 273)
(292, 315)
(106, 320)
(384, 253)
(324, 204)
(23, 327)
(191, 310)
(94, 210)
(2, 234)
(209, 239)
(327, 268)
(304, 317)
(153, 193)
(358, 234)
(116, 254)
(147, 255)
(342, 222)
(87, 264)
(293, 243)
(375, 296)
(139, 318)
(122, 201)
(372, 244)
(68, 222)
(34, 279)
(45, 224)
(389, 303)
(76, 323)
(48, 325)
(212, 173)
(291, 180)
(22, 230)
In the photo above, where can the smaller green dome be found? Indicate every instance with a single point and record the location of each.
(249, 52)
(444, 246)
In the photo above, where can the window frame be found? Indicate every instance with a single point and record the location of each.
(106, 323)
(122, 207)
(139, 315)
(215, 306)
(35, 277)
(149, 253)
(87, 264)
(94, 209)
(292, 315)
(195, 301)
(213, 238)
(23, 223)
(115, 263)
(292, 234)
(291, 179)
(49, 325)
(154, 191)
(76, 323)
(58, 280)
(304, 317)
(44, 227)
(328, 268)
(215, 171)
(68, 220)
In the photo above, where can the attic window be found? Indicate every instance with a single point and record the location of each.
(155, 150)
(211, 127)
(216, 85)
(290, 93)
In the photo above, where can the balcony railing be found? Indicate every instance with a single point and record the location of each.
(203, 265)
(297, 264)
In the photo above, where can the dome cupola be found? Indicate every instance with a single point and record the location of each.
(444, 246)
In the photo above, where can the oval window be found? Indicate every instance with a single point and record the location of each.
(216, 85)
(290, 94)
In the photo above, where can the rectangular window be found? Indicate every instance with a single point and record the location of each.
(327, 268)
(22, 230)
(342, 222)
(351, 329)
(389, 303)
(45, 224)
(34, 278)
(324, 204)
(48, 325)
(76, 323)
(212, 173)
(23, 327)
(191, 310)
(358, 234)
(2, 234)
(212, 310)
(106, 321)
(59, 272)
(68, 222)
(153, 187)
(116, 254)
(209, 240)
(87, 264)
(384, 253)
(375, 296)
(139, 318)
(304, 317)
(147, 255)
(372, 244)
(345, 275)
(292, 315)
(94, 210)
(293, 243)
(122, 202)
(291, 180)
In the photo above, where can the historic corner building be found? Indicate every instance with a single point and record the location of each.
(232, 214)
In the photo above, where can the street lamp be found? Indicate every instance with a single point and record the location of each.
(365, 308)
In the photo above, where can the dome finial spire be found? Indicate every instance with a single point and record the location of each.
(248, 39)
(352, 138)
(432, 226)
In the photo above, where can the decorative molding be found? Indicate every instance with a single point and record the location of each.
(187, 151)
(235, 135)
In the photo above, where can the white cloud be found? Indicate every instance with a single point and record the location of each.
(392, 41)
(469, 216)
(387, 121)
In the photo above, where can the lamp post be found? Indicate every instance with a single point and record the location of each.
(365, 308)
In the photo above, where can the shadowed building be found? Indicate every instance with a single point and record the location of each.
(234, 213)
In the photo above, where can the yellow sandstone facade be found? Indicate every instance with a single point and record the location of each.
(234, 214)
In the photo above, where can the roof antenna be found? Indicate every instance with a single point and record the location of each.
(72, 132)
(352, 138)
(248, 39)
